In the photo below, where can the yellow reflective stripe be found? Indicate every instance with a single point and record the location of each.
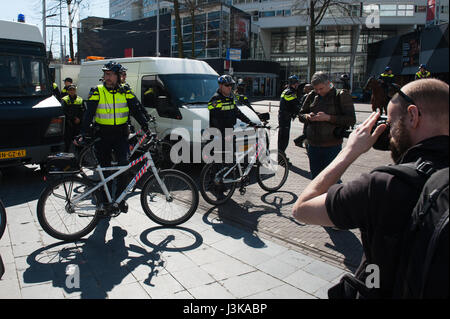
(55, 86)
(112, 108)
(78, 100)
(387, 75)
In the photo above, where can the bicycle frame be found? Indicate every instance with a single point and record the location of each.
(120, 170)
(256, 148)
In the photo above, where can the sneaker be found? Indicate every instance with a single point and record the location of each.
(123, 207)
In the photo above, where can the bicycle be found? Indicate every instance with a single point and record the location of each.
(159, 149)
(218, 181)
(168, 197)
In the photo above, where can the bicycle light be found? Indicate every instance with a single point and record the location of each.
(56, 127)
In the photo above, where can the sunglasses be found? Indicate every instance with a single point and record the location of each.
(406, 97)
(228, 85)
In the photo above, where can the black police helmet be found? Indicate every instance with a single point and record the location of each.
(225, 79)
(113, 66)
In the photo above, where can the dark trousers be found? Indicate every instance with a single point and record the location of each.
(117, 143)
(284, 122)
(71, 131)
(321, 157)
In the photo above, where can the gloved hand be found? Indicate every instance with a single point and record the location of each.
(79, 140)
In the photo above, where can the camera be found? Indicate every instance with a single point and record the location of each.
(382, 143)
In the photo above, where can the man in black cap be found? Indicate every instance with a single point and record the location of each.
(67, 83)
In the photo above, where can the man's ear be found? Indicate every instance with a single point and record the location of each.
(413, 114)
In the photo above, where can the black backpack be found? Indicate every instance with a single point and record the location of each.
(423, 268)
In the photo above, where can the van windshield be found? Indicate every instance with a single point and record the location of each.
(23, 76)
(192, 90)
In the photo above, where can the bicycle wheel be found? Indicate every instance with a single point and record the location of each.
(2, 219)
(213, 190)
(271, 175)
(62, 219)
(88, 162)
(181, 205)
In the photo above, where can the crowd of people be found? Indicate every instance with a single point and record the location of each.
(379, 203)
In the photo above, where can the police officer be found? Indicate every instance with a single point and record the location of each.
(288, 110)
(67, 83)
(346, 82)
(73, 108)
(240, 95)
(423, 73)
(110, 104)
(222, 107)
(387, 79)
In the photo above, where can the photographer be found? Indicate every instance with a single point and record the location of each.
(327, 113)
(380, 204)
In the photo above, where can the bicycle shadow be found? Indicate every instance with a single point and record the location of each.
(248, 215)
(100, 264)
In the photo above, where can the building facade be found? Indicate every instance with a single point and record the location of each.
(278, 30)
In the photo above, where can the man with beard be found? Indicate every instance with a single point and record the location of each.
(378, 203)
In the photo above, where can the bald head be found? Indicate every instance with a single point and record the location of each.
(431, 98)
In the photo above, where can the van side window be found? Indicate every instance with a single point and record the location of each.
(150, 91)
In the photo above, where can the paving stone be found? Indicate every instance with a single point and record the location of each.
(276, 267)
(282, 292)
(305, 281)
(129, 291)
(193, 277)
(162, 287)
(250, 284)
(44, 291)
(323, 270)
(227, 268)
(211, 291)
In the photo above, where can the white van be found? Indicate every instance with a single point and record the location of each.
(175, 91)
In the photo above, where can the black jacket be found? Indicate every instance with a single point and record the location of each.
(380, 205)
(223, 112)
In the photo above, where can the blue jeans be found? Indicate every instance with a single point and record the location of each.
(321, 157)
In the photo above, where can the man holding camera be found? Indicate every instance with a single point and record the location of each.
(380, 204)
(328, 113)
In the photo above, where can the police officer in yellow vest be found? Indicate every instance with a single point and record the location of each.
(387, 79)
(423, 73)
(67, 82)
(288, 110)
(110, 104)
(73, 108)
(223, 111)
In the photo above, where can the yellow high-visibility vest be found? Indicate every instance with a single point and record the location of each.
(112, 109)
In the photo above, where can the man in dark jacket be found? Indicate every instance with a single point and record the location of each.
(380, 204)
(325, 111)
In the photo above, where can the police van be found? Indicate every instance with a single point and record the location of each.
(31, 118)
(175, 91)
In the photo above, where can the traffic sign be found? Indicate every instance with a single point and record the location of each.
(234, 54)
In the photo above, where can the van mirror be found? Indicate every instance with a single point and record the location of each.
(165, 108)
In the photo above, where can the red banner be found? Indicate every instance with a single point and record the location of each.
(431, 12)
(128, 53)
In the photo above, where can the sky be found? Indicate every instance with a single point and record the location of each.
(32, 9)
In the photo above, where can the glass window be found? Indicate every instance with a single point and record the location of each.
(265, 14)
(287, 13)
(214, 15)
(213, 25)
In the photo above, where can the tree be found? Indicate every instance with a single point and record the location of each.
(176, 10)
(316, 10)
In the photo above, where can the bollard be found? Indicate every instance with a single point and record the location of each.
(270, 106)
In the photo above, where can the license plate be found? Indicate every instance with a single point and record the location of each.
(13, 154)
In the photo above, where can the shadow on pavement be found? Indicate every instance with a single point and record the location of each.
(20, 184)
(348, 244)
(299, 171)
(101, 265)
(240, 213)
